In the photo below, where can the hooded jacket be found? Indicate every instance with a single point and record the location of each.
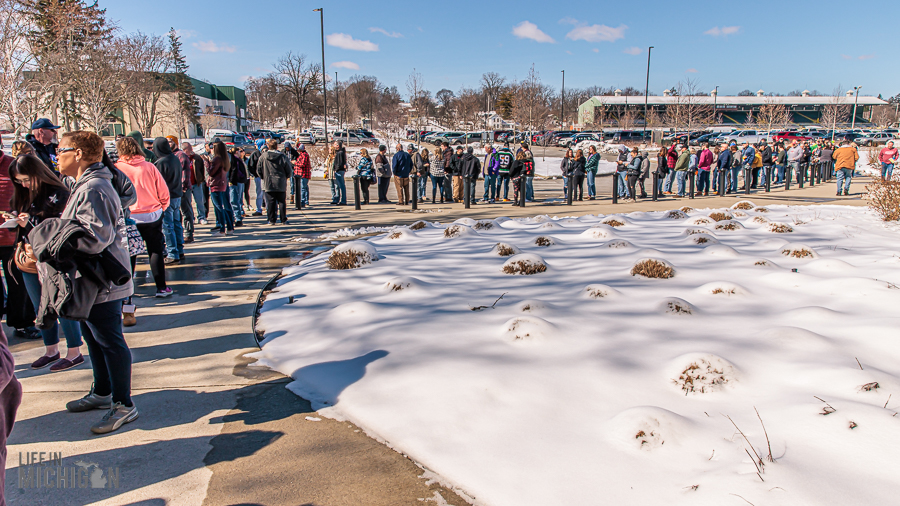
(169, 166)
(46, 152)
(149, 185)
(683, 161)
(148, 155)
(275, 170)
(185, 170)
(469, 166)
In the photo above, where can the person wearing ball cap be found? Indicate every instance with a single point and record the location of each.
(44, 133)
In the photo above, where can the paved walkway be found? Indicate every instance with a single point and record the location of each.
(214, 429)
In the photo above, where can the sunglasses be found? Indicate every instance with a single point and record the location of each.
(64, 150)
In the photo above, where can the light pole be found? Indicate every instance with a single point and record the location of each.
(855, 101)
(646, 92)
(715, 100)
(324, 87)
(562, 102)
(337, 102)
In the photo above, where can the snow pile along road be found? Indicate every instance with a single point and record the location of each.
(624, 354)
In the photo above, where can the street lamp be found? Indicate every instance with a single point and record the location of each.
(855, 101)
(646, 93)
(324, 88)
(715, 99)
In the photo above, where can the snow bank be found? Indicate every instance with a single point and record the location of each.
(584, 384)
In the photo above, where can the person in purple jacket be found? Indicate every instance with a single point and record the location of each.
(491, 172)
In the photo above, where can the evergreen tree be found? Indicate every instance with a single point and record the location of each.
(505, 104)
(188, 109)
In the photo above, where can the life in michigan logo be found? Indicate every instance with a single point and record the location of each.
(46, 470)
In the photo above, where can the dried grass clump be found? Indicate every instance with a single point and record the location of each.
(701, 221)
(726, 226)
(798, 253)
(543, 241)
(419, 225)
(761, 209)
(484, 225)
(453, 231)
(505, 250)
(699, 377)
(396, 286)
(868, 387)
(694, 231)
(884, 198)
(717, 291)
(523, 267)
(760, 219)
(596, 293)
(395, 235)
(618, 244)
(674, 307)
(720, 216)
(652, 269)
(613, 222)
(740, 214)
(780, 228)
(676, 215)
(687, 209)
(761, 262)
(743, 205)
(343, 260)
(701, 240)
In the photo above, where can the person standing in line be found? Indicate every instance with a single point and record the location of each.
(765, 152)
(217, 181)
(139, 138)
(338, 167)
(682, 165)
(845, 158)
(723, 164)
(402, 166)
(565, 167)
(591, 166)
(437, 175)
(38, 194)
(449, 166)
(645, 172)
(152, 200)
(703, 166)
(365, 173)
(291, 154)
(888, 157)
(795, 158)
(170, 167)
(470, 167)
(826, 157)
(455, 164)
(10, 398)
(780, 162)
(384, 174)
(505, 159)
(529, 172)
(275, 170)
(577, 169)
(735, 172)
(662, 168)
(671, 160)
(253, 170)
(94, 203)
(491, 170)
(236, 177)
(748, 159)
(632, 173)
(43, 133)
(187, 213)
(198, 183)
(420, 165)
(302, 175)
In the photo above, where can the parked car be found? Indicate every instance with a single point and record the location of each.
(306, 137)
(876, 139)
(469, 138)
(445, 136)
(575, 139)
(788, 135)
(353, 139)
(704, 138)
(630, 136)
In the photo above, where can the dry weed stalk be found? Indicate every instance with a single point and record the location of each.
(743, 205)
(342, 260)
(779, 228)
(419, 225)
(676, 215)
(771, 459)
(761, 466)
(727, 226)
(701, 240)
(453, 231)
(828, 409)
(543, 241)
(720, 216)
(687, 209)
(505, 250)
(868, 387)
(884, 198)
(797, 253)
(761, 209)
(484, 225)
(652, 269)
(395, 235)
(525, 268)
(614, 223)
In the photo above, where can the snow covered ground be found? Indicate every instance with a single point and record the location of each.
(585, 384)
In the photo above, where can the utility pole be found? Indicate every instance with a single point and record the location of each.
(324, 85)
(646, 92)
(855, 101)
(715, 100)
(562, 103)
(337, 103)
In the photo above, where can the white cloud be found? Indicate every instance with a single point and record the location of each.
(568, 21)
(568, 52)
(529, 30)
(724, 31)
(633, 51)
(345, 65)
(344, 41)
(867, 57)
(595, 50)
(691, 71)
(597, 33)
(393, 35)
(211, 47)
(185, 33)
(846, 57)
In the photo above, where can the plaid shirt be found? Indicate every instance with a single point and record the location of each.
(302, 167)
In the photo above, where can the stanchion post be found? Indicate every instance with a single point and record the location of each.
(356, 193)
(691, 176)
(747, 175)
(655, 185)
(523, 185)
(298, 203)
(722, 182)
(570, 187)
(769, 170)
(414, 191)
(801, 174)
(615, 188)
(788, 169)
(466, 189)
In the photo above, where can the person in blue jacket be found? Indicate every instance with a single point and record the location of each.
(491, 172)
(402, 165)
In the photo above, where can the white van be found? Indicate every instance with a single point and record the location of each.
(212, 133)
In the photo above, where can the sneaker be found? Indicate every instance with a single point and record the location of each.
(203, 221)
(170, 261)
(846, 193)
(166, 292)
(229, 232)
(188, 240)
(257, 213)
(65, 363)
(117, 416)
(28, 333)
(89, 402)
(44, 361)
(239, 224)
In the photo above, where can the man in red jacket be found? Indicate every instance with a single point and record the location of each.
(703, 165)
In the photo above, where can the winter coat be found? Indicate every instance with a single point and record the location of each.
(565, 166)
(253, 163)
(238, 172)
(622, 161)
(671, 157)
(645, 166)
(662, 165)
(382, 166)
(339, 164)
(7, 236)
(684, 160)
(576, 167)
(275, 170)
(766, 154)
(447, 154)
(469, 166)
(724, 160)
(593, 163)
(825, 155)
(169, 166)
(491, 165)
(46, 152)
(795, 154)
(706, 160)
(364, 170)
(10, 397)
(185, 170)
(420, 164)
(505, 160)
(437, 165)
(845, 157)
(634, 167)
(522, 168)
(747, 155)
(402, 164)
(198, 166)
(149, 186)
(217, 176)
(148, 155)
(302, 167)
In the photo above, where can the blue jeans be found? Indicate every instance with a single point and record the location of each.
(224, 213)
(887, 170)
(529, 188)
(623, 187)
(199, 201)
(667, 184)
(71, 329)
(304, 190)
(843, 178)
(503, 182)
(680, 176)
(260, 198)
(110, 356)
(338, 189)
(714, 179)
(235, 194)
(592, 187)
(779, 174)
(490, 187)
(733, 173)
(173, 230)
(422, 181)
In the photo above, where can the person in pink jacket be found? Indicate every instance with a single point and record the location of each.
(703, 165)
(147, 213)
(888, 158)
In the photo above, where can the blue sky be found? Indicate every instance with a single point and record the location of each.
(769, 45)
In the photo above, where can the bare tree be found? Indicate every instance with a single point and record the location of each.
(688, 111)
(146, 60)
(884, 116)
(18, 100)
(263, 100)
(468, 104)
(98, 83)
(300, 82)
(835, 111)
(415, 85)
(772, 114)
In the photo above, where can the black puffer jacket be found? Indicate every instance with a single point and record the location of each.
(169, 166)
